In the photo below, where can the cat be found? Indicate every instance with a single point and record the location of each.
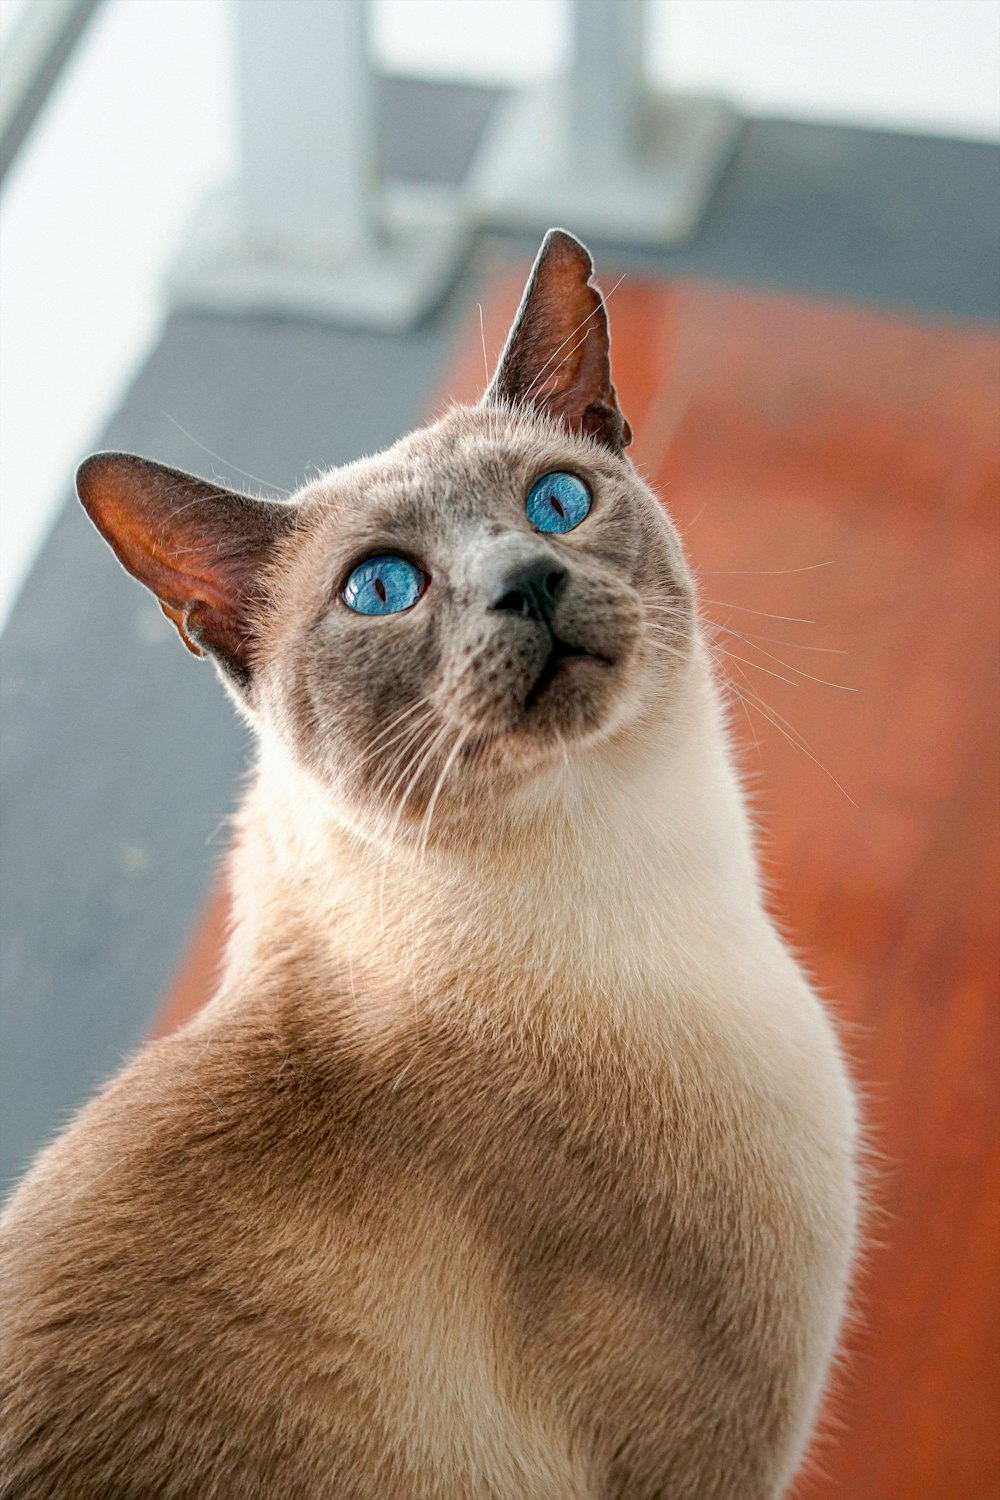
(514, 1157)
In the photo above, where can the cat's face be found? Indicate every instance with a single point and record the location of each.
(495, 596)
(522, 647)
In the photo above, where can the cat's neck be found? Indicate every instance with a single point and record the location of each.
(633, 868)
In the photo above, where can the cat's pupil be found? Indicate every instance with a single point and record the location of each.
(557, 507)
(380, 589)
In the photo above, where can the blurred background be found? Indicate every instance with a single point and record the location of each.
(254, 238)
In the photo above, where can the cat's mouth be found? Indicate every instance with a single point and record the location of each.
(561, 653)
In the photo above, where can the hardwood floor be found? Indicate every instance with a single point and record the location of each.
(836, 473)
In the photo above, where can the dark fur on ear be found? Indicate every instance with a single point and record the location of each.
(557, 357)
(198, 547)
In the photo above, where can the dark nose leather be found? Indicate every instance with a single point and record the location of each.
(530, 590)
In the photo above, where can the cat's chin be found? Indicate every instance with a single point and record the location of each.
(565, 671)
(575, 701)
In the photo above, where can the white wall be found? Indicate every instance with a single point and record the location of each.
(90, 214)
(930, 65)
(96, 204)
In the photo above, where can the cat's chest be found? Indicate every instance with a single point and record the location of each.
(602, 1138)
(619, 1201)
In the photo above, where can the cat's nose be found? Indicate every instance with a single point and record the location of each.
(530, 589)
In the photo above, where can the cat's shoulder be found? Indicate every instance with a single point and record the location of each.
(237, 1100)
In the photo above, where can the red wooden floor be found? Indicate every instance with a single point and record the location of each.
(836, 473)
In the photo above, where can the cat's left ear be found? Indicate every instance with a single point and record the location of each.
(200, 548)
(557, 358)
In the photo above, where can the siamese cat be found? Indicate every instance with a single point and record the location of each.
(514, 1158)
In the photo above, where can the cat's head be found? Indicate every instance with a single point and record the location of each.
(493, 597)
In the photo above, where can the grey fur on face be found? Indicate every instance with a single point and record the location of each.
(513, 690)
(523, 647)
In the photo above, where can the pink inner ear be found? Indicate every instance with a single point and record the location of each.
(199, 548)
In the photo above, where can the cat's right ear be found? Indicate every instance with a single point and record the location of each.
(200, 548)
(557, 358)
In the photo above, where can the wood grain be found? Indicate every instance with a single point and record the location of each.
(836, 474)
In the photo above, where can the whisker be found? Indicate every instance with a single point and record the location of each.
(462, 738)
(747, 662)
(419, 758)
(402, 761)
(235, 467)
(804, 751)
(843, 686)
(750, 688)
(392, 750)
(725, 604)
(797, 742)
(688, 525)
(753, 635)
(666, 646)
(764, 572)
(657, 607)
(730, 683)
(379, 744)
(399, 763)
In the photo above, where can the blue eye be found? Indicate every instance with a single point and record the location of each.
(557, 502)
(383, 586)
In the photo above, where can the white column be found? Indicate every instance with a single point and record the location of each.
(306, 123)
(606, 72)
(309, 228)
(596, 150)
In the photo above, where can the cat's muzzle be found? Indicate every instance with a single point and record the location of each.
(561, 655)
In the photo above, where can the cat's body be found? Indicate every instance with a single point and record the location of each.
(514, 1157)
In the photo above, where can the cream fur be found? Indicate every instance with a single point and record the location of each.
(515, 1158)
